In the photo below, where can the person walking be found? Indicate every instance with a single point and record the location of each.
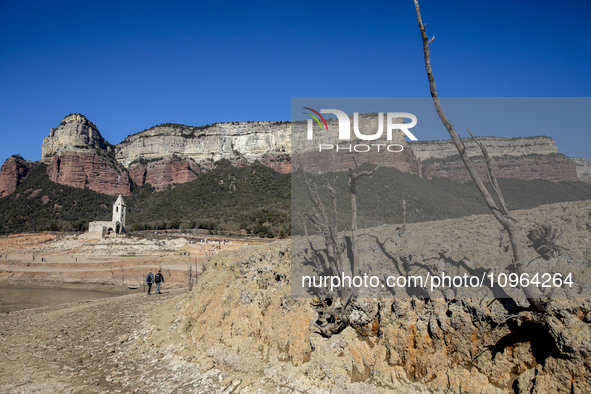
(159, 279)
(150, 281)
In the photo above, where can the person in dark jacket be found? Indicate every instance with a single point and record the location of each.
(159, 279)
(149, 281)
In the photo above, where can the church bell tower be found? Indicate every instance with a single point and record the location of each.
(119, 212)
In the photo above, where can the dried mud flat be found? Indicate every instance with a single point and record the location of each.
(126, 344)
(114, 264)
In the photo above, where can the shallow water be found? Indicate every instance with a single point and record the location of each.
(18, 298)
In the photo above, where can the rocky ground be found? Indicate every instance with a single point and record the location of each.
(239, 330)
(242, 314)
(123, 345)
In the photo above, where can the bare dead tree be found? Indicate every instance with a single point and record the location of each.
(189, 278)
(353, 176)
(332, 309)
(502, 214)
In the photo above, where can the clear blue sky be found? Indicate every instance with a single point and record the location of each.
(133, 64)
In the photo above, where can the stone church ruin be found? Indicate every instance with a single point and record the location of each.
(113, 228)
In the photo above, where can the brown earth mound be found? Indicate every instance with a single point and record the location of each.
(242, 316)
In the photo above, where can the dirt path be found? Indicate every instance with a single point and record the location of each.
(126, 344)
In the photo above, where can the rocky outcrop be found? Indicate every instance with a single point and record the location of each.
(170, 154)
(278, 162)
(74, 134)
(496, 146)
(12, 173)
(519, 158)
(77, 155)
(161, 174)
(244, 315)
(583, 167)
(92, 171)
(251, 140)
(553, 167)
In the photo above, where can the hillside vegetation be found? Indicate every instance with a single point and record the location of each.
(226, 199)
(256, 200)
(379, 197)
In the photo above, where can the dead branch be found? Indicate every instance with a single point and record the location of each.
(533, 294)
(353, 176)
(320, 219)
(544, 238)
(492, 177)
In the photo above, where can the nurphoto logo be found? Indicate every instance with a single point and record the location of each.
(345, 130)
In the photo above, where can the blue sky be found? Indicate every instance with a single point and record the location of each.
(130, 65)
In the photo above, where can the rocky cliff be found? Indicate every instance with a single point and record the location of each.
(583, 167)
(519, 158)
(553, 167)
(75, 133)
(496, 146)
(13, 171)
(77, 155)
(250, 141)
(88, 170)
(168, 154)
(164, 172)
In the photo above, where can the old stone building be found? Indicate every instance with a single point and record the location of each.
(112, 228)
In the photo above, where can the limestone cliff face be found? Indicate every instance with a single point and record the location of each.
(77, 155)
(250, 141)
(13, 171)
(74, 134)
(169, 154)
(519, 158)
(583, 167)
(241, 143)
(496, 146)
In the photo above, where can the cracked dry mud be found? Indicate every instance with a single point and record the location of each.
(119, 345)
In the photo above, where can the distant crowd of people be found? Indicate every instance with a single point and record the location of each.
(210, 240)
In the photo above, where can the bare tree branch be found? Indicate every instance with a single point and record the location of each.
(492, 177)
(353, 176)
(533, 294)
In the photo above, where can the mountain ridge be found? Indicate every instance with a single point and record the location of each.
(169, 154)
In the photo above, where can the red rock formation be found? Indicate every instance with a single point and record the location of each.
(331, 161)
(89, 171)
(12, 173)
(554, 168)
(160, 174)
(280, 163)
